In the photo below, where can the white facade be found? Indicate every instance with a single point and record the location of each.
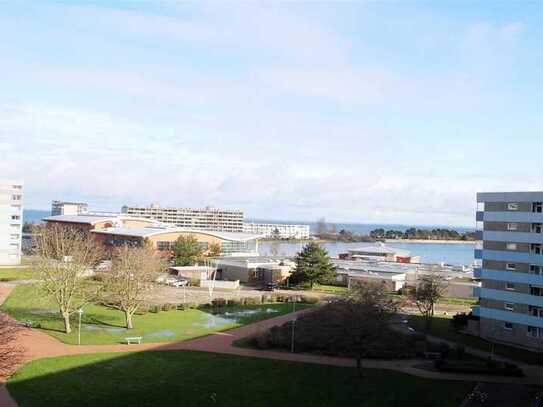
(68, 208)
(277, 230)
(11, 222)
(212, 219)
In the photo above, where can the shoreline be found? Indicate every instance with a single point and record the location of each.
(429, 241)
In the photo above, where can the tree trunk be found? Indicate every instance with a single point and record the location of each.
(359, 366)
(67, 325)
(128, 317)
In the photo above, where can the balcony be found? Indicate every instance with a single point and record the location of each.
(478, 253)
(477, 272)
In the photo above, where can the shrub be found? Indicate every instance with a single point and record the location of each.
(181, 307)
(218, 302)
(168, 307)
(142, 310)
(253, 300)
(459, 321)
(309, 299)
(192, 305)
(234, 302)
(155, 309)
(101, 277)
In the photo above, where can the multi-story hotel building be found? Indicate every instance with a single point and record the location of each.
(277, 230)
(68, 208)
(510, 267)
(219, 220)
(11, 221)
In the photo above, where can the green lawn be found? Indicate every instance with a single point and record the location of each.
(442, 327)
(101, 325)
(198, 379)
(12, 274)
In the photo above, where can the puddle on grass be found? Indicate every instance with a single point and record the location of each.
(104, 329)
(161, 334)
(249, 312)
(211, 321)
(43, 311)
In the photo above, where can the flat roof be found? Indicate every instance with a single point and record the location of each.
(524, 196)
(153, 231)
(380, 248)
(92, 219)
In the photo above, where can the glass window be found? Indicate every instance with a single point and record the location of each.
(512, 226)
(511, 266)
(509, 306)
(509, 286)
(508, 326)
(512, 206)
(511, 246)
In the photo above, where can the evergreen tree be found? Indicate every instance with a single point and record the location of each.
(313, 265)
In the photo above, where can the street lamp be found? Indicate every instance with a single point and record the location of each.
(292, 338)
(80, 312)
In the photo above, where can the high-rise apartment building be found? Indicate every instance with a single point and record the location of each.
(11, 222)
(68, 208)
(213, 219)
(278, 230)
(510, 267)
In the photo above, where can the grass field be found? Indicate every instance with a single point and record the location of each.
(12, 274)
(442, 327)
(102, 325)
(190, 379)
(330, 289)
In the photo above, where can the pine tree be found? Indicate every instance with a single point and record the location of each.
(313, 265)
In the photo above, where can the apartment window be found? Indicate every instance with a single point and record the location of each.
(508, 326)
(512, 226)
(535, 311)
(535, 332)
(14, 236)
(509, 306)
(537, 207)
(535, 269)
(17, 186)
(536, 248)
(510, 286)
(16, 197)
(15, 217)
(512, 206)
(511, 266)
(536, 290)
(511, 246)
(537, 227)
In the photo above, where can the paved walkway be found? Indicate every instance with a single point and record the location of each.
(40, 345)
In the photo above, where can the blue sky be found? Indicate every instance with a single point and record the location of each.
(394, 112)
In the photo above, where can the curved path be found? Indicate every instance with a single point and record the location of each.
(39, 345)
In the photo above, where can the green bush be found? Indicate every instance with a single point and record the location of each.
(252, 300)
(168, 307)
(234, 302)
(218, 302)
(181, 307)
(309, 299)
(155, 309)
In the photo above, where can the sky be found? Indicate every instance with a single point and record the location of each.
(370, 112)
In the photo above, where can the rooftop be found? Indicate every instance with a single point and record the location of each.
(380, 248)
(153, 231)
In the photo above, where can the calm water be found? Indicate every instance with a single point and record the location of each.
(455, 254)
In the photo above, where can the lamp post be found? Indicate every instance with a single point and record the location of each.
(292, 338)
(80, 312)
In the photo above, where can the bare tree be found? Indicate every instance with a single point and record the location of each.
(358, 320)
(64, 257)
(10, 353)
(130, 281)
(429, 289)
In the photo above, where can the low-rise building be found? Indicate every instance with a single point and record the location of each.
(254, 270)
(380, 252)
(11, 221)
(278, 230)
